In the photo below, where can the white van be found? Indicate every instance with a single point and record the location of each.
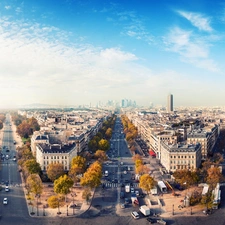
(106, 173)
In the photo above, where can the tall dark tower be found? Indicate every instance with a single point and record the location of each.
(170, 103)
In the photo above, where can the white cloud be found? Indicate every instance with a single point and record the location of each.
(197, 20)
(35, 63)
(192, 48)
(7, 7)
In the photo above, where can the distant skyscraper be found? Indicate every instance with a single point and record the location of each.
(170, 103)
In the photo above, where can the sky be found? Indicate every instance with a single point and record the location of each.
(74, 52)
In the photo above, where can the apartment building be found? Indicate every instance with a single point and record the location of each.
(206, 139)
(55, 153)
(180, 156)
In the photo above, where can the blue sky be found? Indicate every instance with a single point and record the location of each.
(72, 52)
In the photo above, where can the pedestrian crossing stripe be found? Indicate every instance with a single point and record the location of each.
(117, 185)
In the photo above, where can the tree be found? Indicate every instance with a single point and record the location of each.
(103, 144)
(214, 176)
(108, 133)
(101, 155)
(74, 172)
(55, 170)
(79, 161)
(34, 184)
(32, 166)
(147, 182)
(91, 179)
(55, 201)
(136, 157)
(63, 184)
(142, 169)
(86, 194)
(96, 167)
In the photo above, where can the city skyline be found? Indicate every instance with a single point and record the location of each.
(82, 52)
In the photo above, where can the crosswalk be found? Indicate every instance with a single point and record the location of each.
(115, 185)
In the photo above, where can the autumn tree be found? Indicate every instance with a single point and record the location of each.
(34, 184)
(101, 155)
(108, 133)
(92, 177)
(103, 144)
(74, 173)
(136, 157)
(55, 201)
(214, 176)
(62, 185)
(185, 177)
(147, 182)
(142, 169)
(55, 170)
(79, 161)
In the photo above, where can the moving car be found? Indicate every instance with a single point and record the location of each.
(6, 188)
(5, 201)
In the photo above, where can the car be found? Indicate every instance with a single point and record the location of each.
(137, 193)
(5, 201)
(122, 206)
(132, 190)
(161, 221)
(125, 172)
(127, 200)
(151, 220)
(135, 215)
(6, 188)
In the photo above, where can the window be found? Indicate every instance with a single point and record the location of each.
(174, 167)
(171, 156)
(171, 162)
(62, 157)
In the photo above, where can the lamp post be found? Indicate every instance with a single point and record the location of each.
(67, 210)
(72, 195)
(43, 210)
(37, 196)
(191, 210)
(173, 210)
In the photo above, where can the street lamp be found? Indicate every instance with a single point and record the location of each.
(37, 196)
(173, 210)
(72, 195)
(43, 210)
(191, 210)
(67, 210)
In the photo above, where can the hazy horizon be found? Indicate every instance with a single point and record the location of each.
(70, 52)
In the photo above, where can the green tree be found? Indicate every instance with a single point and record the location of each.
(62, 185)
(147, 182)
(55, 170)
(32, 166)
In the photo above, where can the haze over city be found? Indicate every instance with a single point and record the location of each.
(70, 52)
